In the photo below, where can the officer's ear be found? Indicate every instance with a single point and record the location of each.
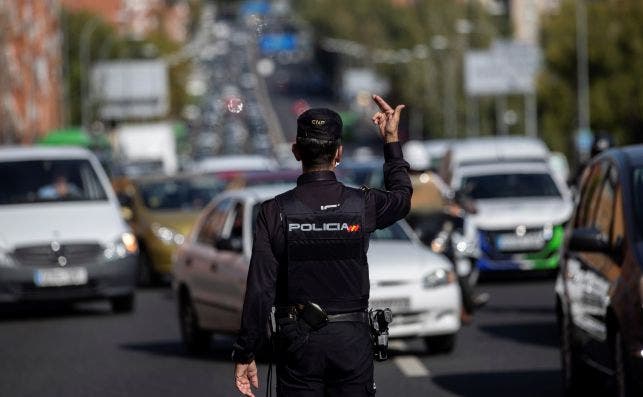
(338, 154)
(295, 151)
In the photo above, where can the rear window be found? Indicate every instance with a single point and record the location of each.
(35, 181)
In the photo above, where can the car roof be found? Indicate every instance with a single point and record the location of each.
(495, 149)
(258, 192)
(507, 167)
(18, 153)
(632, 154)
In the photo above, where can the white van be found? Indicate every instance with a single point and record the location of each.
(62, 236)
(522, 205)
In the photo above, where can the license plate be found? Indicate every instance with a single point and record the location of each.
(512, 242)
(60, 277)
(395, 304)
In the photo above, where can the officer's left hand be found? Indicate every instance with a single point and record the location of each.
(246, 375)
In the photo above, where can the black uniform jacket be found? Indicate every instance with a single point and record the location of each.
(315, 189)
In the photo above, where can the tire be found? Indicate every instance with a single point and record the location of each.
(440, 343)
(195, 339)
(571, 367)
(147, 276)
(123, 304)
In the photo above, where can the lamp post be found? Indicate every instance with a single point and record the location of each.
(582, 67)
(85, 36)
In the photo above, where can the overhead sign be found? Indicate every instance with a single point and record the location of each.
(507, 68)
(126, 90)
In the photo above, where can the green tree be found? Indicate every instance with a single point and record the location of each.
(380, 24)
(615, 49)
(105, 44)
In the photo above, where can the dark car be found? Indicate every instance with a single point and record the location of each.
(599, 288)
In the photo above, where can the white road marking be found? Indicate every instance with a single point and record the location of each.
(411, 366)
(397, 344)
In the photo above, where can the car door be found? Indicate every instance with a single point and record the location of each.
(604, 268)
(201, 261)
(229, 266)
(598, 270)
(577, 270)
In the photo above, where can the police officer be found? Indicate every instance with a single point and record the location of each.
(309, 261)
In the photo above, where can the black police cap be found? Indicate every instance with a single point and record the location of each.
(319, 123)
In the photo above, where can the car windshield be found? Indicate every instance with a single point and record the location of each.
(186, 194)
(638, 197)
(495, 186)
(393, 232)
(33, 181)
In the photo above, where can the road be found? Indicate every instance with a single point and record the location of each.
(510, 349)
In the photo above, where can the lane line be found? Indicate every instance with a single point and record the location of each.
(411, 366)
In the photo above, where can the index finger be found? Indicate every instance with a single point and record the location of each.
(384, 107)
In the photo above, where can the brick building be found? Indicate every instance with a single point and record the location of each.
(140, 17)
(31, 65)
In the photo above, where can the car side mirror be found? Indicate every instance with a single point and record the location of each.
(589, 240)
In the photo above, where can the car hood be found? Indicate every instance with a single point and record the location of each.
(532, 212)
(33, 224)
(181, 221)
(401, 260)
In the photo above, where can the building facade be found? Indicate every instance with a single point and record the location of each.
(31, 64)
(139, 18)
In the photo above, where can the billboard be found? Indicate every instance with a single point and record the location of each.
(507, 68)
(130, 89)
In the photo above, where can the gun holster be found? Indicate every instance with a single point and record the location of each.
(379, 320)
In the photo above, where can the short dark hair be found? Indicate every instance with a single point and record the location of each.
(317, 153)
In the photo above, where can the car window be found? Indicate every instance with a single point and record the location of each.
(589, 190)
(618, 228)
(236, 227)
(604, 211)
(33, 181)
(393, 232)
(637, 190)
(180, 194)
(214, 222)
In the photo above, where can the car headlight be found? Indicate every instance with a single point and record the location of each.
(120, 248)
(167, 235)
(438, 278)
(465, 247)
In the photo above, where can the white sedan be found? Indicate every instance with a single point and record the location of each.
(211, 267)
(418, 285)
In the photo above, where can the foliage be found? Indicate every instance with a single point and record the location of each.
(381, 24)
(615, 49)
(106, 43)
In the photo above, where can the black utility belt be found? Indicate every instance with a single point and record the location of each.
(315, 316)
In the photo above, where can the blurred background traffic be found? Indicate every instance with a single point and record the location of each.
(139, 137)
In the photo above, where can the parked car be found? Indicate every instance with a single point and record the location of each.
(521, 206)
(62, 236)
(599, 289)
(210, 272)
(161, 210)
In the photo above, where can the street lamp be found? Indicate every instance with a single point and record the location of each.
(450, 117)
(85, 36)
(582, 68)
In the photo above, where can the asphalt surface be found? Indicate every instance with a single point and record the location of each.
(510, 349)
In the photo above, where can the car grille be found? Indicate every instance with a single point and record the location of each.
(44, 255)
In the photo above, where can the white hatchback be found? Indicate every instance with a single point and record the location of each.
(210, 272)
